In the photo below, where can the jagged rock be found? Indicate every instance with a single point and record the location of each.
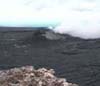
(28, 76)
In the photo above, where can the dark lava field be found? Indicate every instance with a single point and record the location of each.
(75, 59)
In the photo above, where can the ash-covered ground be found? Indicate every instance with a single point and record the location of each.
(75, 59)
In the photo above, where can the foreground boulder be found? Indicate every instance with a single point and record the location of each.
(28, 76)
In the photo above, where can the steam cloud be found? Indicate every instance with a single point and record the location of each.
(79, 18)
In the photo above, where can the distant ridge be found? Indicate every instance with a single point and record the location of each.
(2, 28)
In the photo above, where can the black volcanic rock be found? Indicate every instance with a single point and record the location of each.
(75, 59)
(47, 34)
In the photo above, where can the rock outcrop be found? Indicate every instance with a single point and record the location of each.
(28, 76)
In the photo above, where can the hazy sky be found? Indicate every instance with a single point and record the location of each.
(25, 13)
(28, 11)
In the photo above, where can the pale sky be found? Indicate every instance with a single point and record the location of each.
(80, 18)
(43, 12)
